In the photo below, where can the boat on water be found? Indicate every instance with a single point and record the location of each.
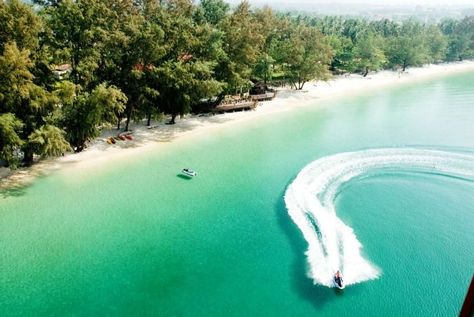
(338, 281)
(188, 172)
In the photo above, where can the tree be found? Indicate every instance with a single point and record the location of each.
(242, 46)
(10, 141)
(214, 11)
(77, 31)
(343, 50)
(385, 27)
(408, 48)
(330, 25)
(48, 141)
(85, 113)
(133, 48)
(305, 55)
(185, 73)
(437, 44)
(263, 70)
(353, 28)
(460, 36)
(15, 77)
(111, 41)
(21, 93)
(184, 84)
(368, 54)
(268, 27)
(21, 96)
(19, 24)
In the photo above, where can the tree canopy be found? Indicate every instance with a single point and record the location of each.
(72, 67)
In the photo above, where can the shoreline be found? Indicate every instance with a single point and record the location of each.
(99, 152)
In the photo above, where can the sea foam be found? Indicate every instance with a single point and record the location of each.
(332, 245)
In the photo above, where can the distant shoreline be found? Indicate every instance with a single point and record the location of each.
(99, 152)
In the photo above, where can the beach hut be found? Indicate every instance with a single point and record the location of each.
(261, 92)
(61, 71)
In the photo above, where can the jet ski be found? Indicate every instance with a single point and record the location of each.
(338, 281)
(188, 172)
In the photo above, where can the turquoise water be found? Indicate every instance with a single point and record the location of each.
(135, 239)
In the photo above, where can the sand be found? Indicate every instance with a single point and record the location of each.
(99, 152)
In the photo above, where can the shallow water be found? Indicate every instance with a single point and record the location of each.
(133, 238)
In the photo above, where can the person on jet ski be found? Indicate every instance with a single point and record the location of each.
(337, 277)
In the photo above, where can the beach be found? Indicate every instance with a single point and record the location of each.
(160, 135)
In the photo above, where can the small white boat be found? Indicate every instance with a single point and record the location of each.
(338, 281)
(188, 172)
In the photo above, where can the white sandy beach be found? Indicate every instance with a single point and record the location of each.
(99, 152)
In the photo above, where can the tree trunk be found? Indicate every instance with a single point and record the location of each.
(28, 157)
(301, 84)
(404, 66)
(265, 80)
(366, 72)
(27, 150)
(74, 63)
(129, 115)
(294, 85)
(173, 117)
(119, 121)
(148, 122)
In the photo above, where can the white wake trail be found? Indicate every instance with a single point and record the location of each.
(332, 245)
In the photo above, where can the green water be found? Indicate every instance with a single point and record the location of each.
(135, 239)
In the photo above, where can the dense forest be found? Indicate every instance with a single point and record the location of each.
(68, 68)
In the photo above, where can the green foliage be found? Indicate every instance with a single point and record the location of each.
(15, 77)
(78, 33)
(368, 54)
(138, 58)
(305, 55)
(49, 141)
(460, 37)
(19, 24)
(385, 28)
(269, 27)
(10, 141)
(263, 70)
(214, 11)
(408, 48)
(84, 115)
(437, 44)
(182, 85)
(243, 43)
(19, 95)
(343, 48)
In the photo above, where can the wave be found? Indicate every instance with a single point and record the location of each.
(332, 245)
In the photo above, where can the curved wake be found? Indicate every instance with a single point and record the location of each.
(333, 245)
